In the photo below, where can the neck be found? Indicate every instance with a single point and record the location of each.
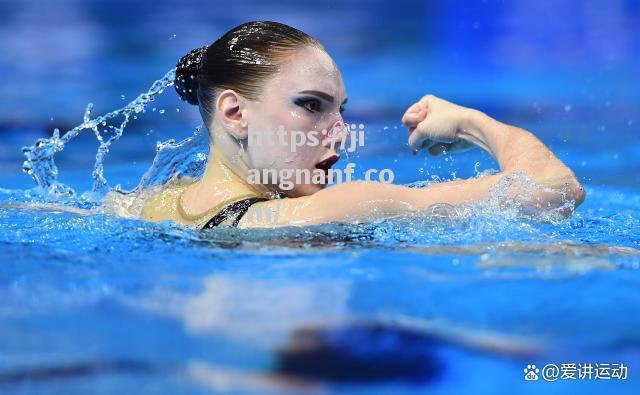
(223, 180)
(222, 171)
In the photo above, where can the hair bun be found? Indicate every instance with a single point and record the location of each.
(187, 70)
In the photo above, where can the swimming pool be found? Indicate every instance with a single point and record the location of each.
(102, 305)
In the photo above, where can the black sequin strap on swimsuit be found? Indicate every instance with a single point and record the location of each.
(238, 209)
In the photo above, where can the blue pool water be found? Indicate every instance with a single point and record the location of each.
(102, 305)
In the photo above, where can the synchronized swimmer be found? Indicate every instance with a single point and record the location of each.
(262, 77)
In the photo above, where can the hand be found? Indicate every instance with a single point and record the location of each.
(434, 125)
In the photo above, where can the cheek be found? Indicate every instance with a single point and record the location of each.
(295, 149)
(295, 155)
(298, 119)
(303, 140)
(278, 156)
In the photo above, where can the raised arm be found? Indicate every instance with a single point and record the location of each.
(534, 178)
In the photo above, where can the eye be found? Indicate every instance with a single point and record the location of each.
(311, 105)
(341, 109)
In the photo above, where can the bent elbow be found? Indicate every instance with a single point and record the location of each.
(560, 196)
(573, 194)
(574, 191)
(578, 194)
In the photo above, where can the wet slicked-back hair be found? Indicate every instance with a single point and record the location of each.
(241, 60)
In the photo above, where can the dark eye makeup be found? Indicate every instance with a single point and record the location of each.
(312, 105)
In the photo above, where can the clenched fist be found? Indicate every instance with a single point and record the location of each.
(435, 124)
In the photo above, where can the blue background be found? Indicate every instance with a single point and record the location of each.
(566, 70)
(78, 289)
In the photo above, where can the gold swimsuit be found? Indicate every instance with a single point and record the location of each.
(166, 205)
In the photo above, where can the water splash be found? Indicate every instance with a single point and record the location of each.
(186, 158)
(107, 128)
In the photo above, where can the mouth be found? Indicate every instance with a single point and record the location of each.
(326, 163)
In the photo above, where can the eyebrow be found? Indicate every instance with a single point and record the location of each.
(323, 95)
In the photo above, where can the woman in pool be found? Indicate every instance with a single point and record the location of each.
(261, 77)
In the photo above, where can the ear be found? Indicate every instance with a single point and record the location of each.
(231, 110)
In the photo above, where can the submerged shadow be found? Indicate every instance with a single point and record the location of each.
(361, 352)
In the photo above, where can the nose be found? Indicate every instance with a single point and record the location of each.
(336, 135)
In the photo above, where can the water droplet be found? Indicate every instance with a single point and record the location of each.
(40, 156)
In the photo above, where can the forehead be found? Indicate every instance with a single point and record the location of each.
(309, 68)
